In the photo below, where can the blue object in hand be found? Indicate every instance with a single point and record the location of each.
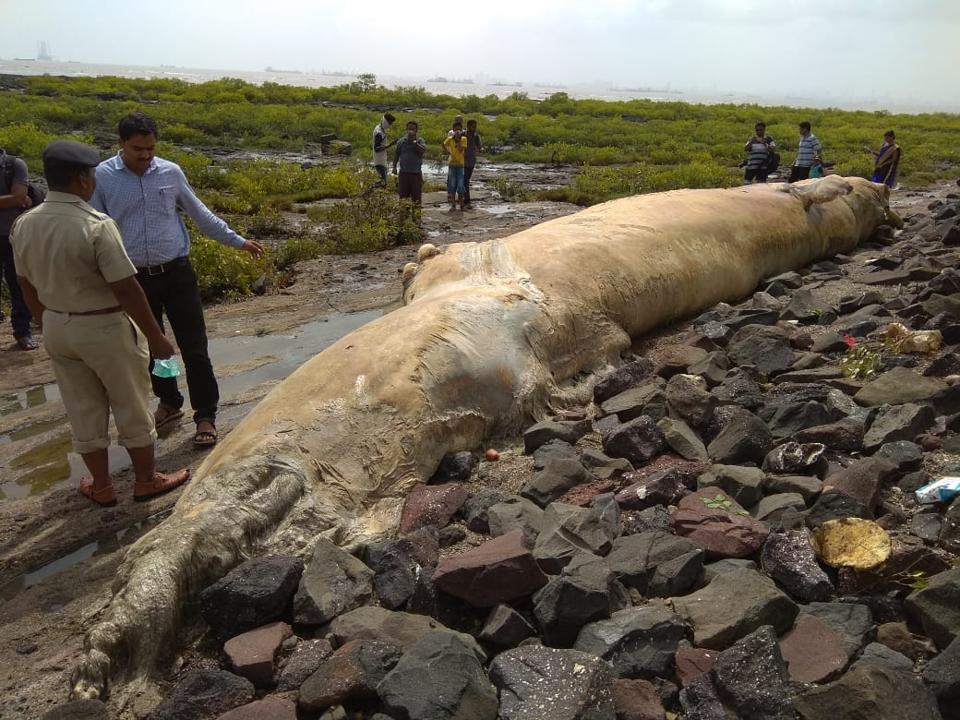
(166, 368)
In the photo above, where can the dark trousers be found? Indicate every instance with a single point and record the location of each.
(756, 174)
(19, 312)
(176, 294)
(798, 172)
(410, 185)
(467, 174)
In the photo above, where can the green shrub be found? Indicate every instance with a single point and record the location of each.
(224, 272)
(375, 221)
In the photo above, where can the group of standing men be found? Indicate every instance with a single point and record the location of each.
(461, 146)
(107, 246)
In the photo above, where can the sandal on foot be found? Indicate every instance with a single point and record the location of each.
(160, 484)
(104, 497)
(166, 415)
(205, 438)
(27, 343)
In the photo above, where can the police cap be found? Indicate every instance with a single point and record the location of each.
(71, 153)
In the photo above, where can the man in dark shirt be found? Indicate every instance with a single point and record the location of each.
(474, 146)
(409, 155)
(14, 201)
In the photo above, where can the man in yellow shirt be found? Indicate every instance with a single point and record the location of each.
(456, 146)
(77, 277)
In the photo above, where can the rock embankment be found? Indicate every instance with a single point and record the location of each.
(731, 529)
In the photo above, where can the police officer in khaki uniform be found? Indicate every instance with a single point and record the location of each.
(76, 276)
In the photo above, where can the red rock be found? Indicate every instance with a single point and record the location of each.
(813, 651)
(637, 700)
(929, 442)
(252, 654)
(498, 571)
(351, 674)
(270, 708)
(581, 495)
(863, 479)
(692, 662)
(432, 505)
(491, 455)
(717, 523)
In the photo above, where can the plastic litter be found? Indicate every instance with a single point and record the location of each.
(166, 368)
(904, 340)
(941, 490)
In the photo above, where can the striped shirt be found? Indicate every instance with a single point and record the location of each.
(760, 149)
(809, 149)
(146, 209)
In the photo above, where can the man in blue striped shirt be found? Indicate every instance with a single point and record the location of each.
(808, 154)
(144, 195)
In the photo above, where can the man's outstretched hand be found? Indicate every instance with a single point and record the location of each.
(252, 247)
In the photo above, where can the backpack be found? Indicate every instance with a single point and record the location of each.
(773, 162)
(36, 193)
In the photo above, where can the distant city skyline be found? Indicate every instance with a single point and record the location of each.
(876, 51)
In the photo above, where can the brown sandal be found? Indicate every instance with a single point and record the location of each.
(166, 415)
(205, 438)
(161, 483)
(104, 497)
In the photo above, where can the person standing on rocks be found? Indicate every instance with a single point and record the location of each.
(456, 147)
(14, 201)
(144, 195)
(409, 156)
(474, 146)
(79, 281)
(760, 149)
(380, 146)
(808, 154)
(886, 161)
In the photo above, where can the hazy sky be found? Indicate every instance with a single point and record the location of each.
(905, 51)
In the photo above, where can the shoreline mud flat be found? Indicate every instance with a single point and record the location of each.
(23, 608)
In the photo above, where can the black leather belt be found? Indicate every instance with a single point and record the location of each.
(154, 270)
(101, 311)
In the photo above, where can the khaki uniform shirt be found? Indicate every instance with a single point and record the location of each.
(70, 252)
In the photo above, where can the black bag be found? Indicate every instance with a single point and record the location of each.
(36, 193)
(773, 162)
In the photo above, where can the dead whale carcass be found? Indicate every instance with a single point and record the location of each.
(488, 334)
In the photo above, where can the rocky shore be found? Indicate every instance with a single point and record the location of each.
(730, 529)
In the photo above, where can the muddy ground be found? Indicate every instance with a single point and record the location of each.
(58, 553)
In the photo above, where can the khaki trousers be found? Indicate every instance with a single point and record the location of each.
(100, 362)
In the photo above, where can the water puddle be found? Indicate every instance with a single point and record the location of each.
(502, 209)
(121, 538)
(15, 402)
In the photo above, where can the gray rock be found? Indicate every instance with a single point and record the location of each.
(568, 431)
(586, 591)
(204, 695)
(396, 569)
(638, 642)
(789, 559)
(333, 582)
(657, 517)
(743, 484)
(949, 538)
(682, 439)
(877, 654)
(829, 342)
(656, 564)
(725, 565)
(806, 486)
(304, 661)
(439, 678)
(871, 691)
(937, 607)
(904, 453)
(793, 458)
(553, 450)
(689, 400)
(542, 682)
(603, 467)
(505, 628)
(455, 467)
(740, 389)
(645, 399)
(78, 710)
(516, 513)
(350, 675)
(835, 505)
(791, 418)
(732, 606)
(942, 676)
(713, 368)
(569, 530)
(765, 348)
(665, 487)
(638, 441)
(556, 478)
(751, 678)
(253, 594)
(898, 387)
(701, 700)
(375, 623)
(927, 526)
(675, 359)
(863, 479)
(772, 507)
(845, 435)
(853, 622)
(474, 510)
(744, 438)
(623, 378)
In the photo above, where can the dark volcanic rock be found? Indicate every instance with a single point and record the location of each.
(743, 484)
(851, 621)
(333, 582)
(505, 628)
(455, 467)
(863, 479)
(432, 505)
(78, 710)
(637, 700)
(303, 662)
(942, 675)
(541, 682)
(814, 652)
(637, 642)
(689, 400)
(474, 510)
(569, 530)
(516, 513)
(751, 678)
(557, 477)
(682, 439)
(744, 438)
(733, 605)
(665, 487)
(623, 378)
(766, 348)
(647, 398)
(568, 431)
(789, 559)
(351, 674)
(639, 441)
(656, 563)
(835, 505)
(877, 654)
(254, 593)
(790, 418)
(439, 678)
(701, 700)
(937, 607)
(204, 695)
(897, 387)
(845, 435)
(871, 691)
(739, 388)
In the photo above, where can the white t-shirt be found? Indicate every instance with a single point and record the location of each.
(379, 139)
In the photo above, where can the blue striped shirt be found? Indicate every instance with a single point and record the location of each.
(808, 149)
(145, 207)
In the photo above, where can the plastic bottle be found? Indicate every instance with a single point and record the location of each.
(166, 368)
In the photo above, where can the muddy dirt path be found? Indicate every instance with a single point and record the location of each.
(58, 553)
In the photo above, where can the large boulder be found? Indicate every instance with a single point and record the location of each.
(733, 605)
(637, 642)
(540, 682)
(871, 691)
(204, 695)
(763, 347)
(254, 593)
(400, 628)
(937, 607)
(744, 438)
(497, 571)
(352, 674)
(656, 563)
(897, 422)
(899, 386)
(718, 524)
(333, 583)
(439, 678)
